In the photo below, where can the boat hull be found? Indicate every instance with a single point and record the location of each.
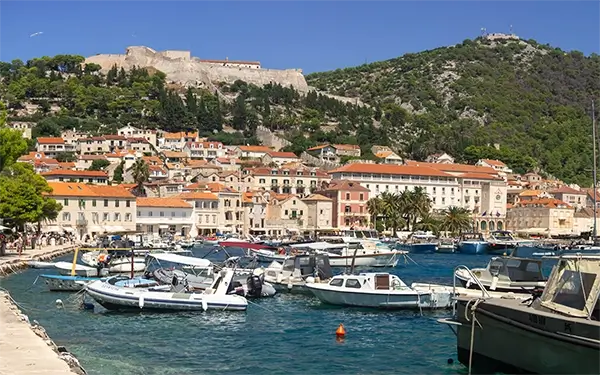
(503, 345)
(446, 249)
(472, 247)
(515, 287)
(59, 283)
(388, 299)
(115, 298)
(419, 248)
(500, 248)
(363, 260)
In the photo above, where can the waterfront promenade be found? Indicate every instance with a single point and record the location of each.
(26, 349)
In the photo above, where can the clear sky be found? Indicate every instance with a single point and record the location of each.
(312, 35)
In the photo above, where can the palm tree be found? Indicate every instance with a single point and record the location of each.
(428, 223)
(141, 173)
(456, 219)
(375, 208)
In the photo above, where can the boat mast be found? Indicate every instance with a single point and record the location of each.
(594, 233)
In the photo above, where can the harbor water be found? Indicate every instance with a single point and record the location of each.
(287, 334)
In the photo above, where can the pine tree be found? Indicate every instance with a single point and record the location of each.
(111, 76)
(240, 113)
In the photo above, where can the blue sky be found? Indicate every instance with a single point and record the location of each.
(312, 35)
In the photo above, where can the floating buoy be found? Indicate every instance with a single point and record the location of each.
(340, 332)
(450, 361)
(59, 303)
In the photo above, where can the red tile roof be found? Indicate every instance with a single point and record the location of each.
(70, 173)
(279, 154)
(162, 202)
(197, 195)
(411, 170)
(76, 189)
(264, 149)
(494, 162)
(567, 190)
(345, 185)
(50, 140)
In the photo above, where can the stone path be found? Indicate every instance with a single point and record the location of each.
(21, 350)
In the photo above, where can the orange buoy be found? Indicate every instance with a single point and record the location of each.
(340, 332)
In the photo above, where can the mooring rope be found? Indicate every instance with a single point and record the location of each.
(473, 322)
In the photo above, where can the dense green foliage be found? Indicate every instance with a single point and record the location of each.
(532, 100)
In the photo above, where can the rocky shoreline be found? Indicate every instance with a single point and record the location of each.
(25, 347)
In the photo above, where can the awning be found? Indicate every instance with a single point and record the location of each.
(163, 226)
(51, 228)
(68, 229)
(95, 228)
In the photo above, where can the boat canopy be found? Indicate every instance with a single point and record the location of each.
(181, 259)
(573, 287)
(317, 245)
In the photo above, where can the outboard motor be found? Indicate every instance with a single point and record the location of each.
(255, 285)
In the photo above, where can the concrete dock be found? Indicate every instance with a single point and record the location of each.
(26, 349)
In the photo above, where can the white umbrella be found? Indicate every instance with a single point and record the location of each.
(2, 227)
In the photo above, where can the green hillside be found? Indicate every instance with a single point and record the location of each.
(533, 100)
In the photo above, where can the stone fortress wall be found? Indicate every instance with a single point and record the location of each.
(180, 67)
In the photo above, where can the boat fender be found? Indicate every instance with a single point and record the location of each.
(310, 280)
(289, 283)
(494, 283)
(279, 278)
(204, 305)
(468, 285)
(141, 302)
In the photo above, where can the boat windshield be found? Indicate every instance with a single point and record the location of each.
(360, 233)
(573, 287)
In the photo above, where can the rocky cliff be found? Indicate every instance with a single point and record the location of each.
(183, 69)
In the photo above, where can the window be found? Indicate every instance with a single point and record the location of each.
(93, 203)
(348, 209)
(336, 282)
(214, 219)
(94, 217)
(105, 216)
(573, 289)
(117, 216)
(286, 212)
(321, 212)
(117, 202)
(301, 212)
(106, 203)
(362, 196)
(65, 202)
(128, 203)
(162, 213)
(172, 213)
(347, 196)
(262, 181)
(353, 283)
(66, 216)
(127, 217)
(150, 213)
(200, 219)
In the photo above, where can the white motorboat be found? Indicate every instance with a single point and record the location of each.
(40, 264)
(116, 261)
(379, 290)
(217, 297)
(295, 272)
(200, 276)
(67, 268)
(357, 252)
(501, 242)
(505, 274)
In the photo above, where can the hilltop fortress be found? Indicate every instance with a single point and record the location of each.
(181, 68)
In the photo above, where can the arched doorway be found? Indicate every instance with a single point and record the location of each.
(500, 226)
(491, 225)
(484, 225)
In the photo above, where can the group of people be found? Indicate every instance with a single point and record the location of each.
(19, 241)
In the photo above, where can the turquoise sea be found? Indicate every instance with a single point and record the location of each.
(287, 334)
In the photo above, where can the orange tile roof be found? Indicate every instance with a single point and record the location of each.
(347, 147)
(180, 135)
(198, 195)
(152, 160)
(411, 170)
(530, 193)
(278, 154)
(214, 187)
(66, 172)
(567, 190)
(383, 154)
(544, 202)
(162, 202)
(465, 168)
(318, 147)
(50, 140)
(67, 165)
(175, 154)
(255, 149)
(32, 155)
(77, 189)
(247, 197)
(494, 162)
(345, 185)
(316, 197)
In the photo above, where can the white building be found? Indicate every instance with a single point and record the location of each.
(204, 150)
(92, 209)
(478, 189)
(158, 216)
